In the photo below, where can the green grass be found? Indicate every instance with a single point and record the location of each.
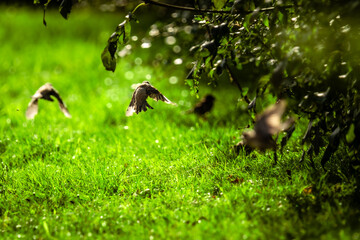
(161, 174)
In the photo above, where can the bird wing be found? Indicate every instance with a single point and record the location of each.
(156, 95)
(269, 122)
(131, 109)
(37, 95)
(64, 110)
(62, 106)
(32, 108)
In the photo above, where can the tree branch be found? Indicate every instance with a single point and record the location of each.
(212, 11)
(234, 80)
(183, 8)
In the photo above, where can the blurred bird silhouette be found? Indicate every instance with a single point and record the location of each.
(204, 106)
(267, 124)
(142, 92)
(45, 92)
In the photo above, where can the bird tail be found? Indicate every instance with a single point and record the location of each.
(130, 111)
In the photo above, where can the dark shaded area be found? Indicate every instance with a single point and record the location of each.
(108, 5)
(310, 206)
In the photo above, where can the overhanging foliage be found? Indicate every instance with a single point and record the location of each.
(304, 51)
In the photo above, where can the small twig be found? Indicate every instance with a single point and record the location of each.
(141, 4)
(212, 11)
(44, 21)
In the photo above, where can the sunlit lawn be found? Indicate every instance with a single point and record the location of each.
(159, 174)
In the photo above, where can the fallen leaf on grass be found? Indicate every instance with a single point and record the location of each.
(235, 180)
(307, 190)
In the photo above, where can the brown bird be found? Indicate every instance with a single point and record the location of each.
(205, 105)
(138, 101)
(45, 92)
(267, 124)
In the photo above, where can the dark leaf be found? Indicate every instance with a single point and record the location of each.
(350, 136)
(277, 76)
(112, 48)
(108, 55)
(65, 8)
(194, 48)
(191, 73)
(120, 31)
(123, 31)
(41, 2)
(210, 46)
(334, 141)
(220, 65)
(265, 20)
(120, 28)
(323, 125)
(288, 172)
(120, 36)
(321, 97)
(108, 60)
(220, 31)
(309, 152)
(112, 44)
(237, 6)
(307, 135)
(327, 154)
(275, 157)
(127, 32)
(252, 104)
(44, 21)
(335, 137)
(131, 17)
(288, 135)
(303, 156)
(219, 4)
(318, 141)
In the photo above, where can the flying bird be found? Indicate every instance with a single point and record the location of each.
(45, 92)
(205, 105)
(267, 124)
(142, 92)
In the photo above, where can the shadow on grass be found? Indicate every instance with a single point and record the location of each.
(327, 206)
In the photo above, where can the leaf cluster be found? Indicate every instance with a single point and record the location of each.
(307, 53)
(120, 37)
(64, 7)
